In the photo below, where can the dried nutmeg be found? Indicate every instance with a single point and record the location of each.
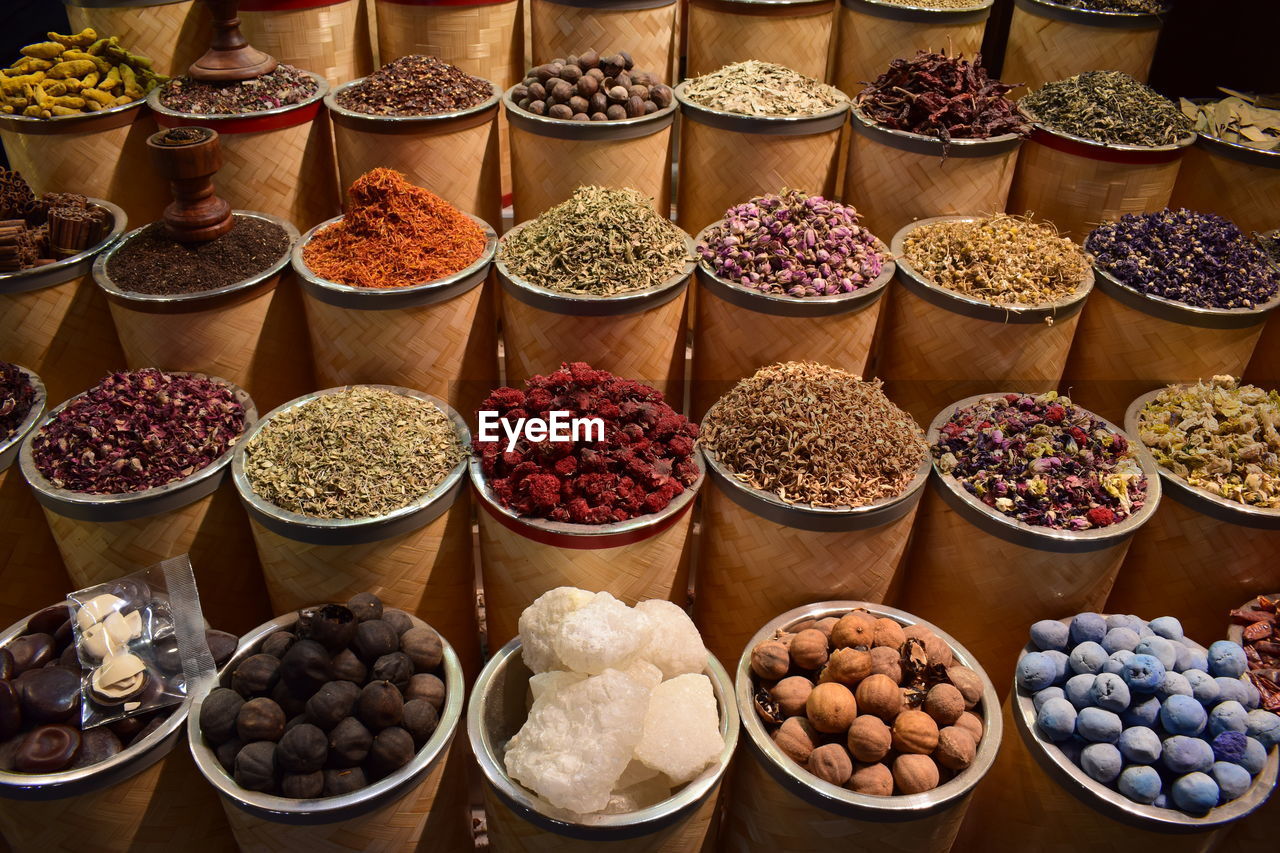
(944, 703)
(791, 694)
(796, 737)
(365, 606)
(343, 781)
(303, 749)
(255, 768)
(332, 703)
(887, 661)
(809, 649)
(875, 780)
(380, 705)
(256, 675)
(347, 667)
(878, 694)
(427, 687)
(395, 667)
(831, 763)
(847, 667)
(968, 683)
(424, 648)
(260, 719)
(971, 723)
(831, 708)
(856, 629)
(349, 743)
(305, 667)
(771, 660)
(869, 739)
(218, 714)
(332, 626)
(889, 634)
(915, 732)
(956, 748)
(374, 639)
(420, 720)
(392, 749)
(278, 643)
(915, 774)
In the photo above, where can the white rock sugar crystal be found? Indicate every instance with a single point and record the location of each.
(540, 623)
(635, 773)
(675, 646)
(639, 796)
(544, 682)
(681, 728)
(605, 634)
(644, 672)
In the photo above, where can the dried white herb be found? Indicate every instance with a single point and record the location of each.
(755, 88)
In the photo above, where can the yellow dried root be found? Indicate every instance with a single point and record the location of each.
(43, 50)
(75, 73)
(84, 38)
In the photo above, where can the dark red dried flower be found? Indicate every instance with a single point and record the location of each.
(17, 396)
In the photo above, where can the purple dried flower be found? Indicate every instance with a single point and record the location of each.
(17, 396)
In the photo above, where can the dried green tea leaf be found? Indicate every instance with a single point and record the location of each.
(1108, 107)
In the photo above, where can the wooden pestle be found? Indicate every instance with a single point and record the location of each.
(230, 57)
(189, 157)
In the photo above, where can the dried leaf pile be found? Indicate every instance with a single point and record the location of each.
(1236, 120)
(1109, 107)
(755, 88)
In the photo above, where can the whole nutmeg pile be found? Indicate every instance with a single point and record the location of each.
(591, 87)
(346, 698)
(868, 704)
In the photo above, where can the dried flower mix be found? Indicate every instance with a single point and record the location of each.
(138, 430)
(75, 74)
(1042, 460)
(39, 231)
(645, 460)
(1270, 243)
(599, 242)
(283, 87)
(1199, 259)
(1153, 7)
(415, 86)
(357, 453)
(394, 235)
(1237, 120)
(1219, 436)
(815, 434)
(17, 396)
(591, 87)
(794, 244)
(1107, 107)
(152, 263)
(1005, 260)
(755, 88)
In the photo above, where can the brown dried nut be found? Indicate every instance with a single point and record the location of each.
(290, 704)
(887, 661)
(587, 85)
(374, 639)
(562, 90)
(588, 60)
(661, 95)
(218, 714)
(635, 107)
(395, 667)
(968, 683)
(424, 647)
(420, 720)
(831, 708)
(256, 675)
(889, 633)
(278, 643)
(332, 626)
(915, 732)
(397, 619)
(343, 781)
(915, 774)
(771, 660)
(537, 91)
(578, 104)
(392, 749)
(222, 645)
(791, 694)
(428, 687)
(956, 748)
(332, 703)
(302, 786)
(598, 102)
(831, 763)
(796, 737)
(971, 723)
(380, 705)
(303, 749)
(878, 694)
(349, 743)
(875, 780)
(305, 667)
(255, 768)
(856, 629)
(560, 111)
(944, 703)
(347, 667)
(616, 112)
(826, 625)
(227, 752)
(869, 739)
(802, 625)
(809, 649)
(365, 606)
(847, 667)
(935, 647)
(260, 719)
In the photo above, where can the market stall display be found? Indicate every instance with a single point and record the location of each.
(331, 37)
(794, 33)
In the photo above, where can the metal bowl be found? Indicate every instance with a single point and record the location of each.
(594, 131)
(405, 124)
(67, 269)
(1181, 312)
(823, 122)
(1092, 17)
(932, 146)
(10, 446)
(977, 13)
(167, 117)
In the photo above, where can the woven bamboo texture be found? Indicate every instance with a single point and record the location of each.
(460, 166)
(540, 179)
(172, 36)
(1121, 352)
(1264, 365)
(1041, 50)
(1077, 194)
(892, 188)
(751, 569)
(714, 175)
(1018, 800)
(1242, 192)
(932, 357)
(799, 38)
(866, 44)
(517, 570)
(482, 40)
(289, 172)
(31, 571)
(61, 333)
(167, 807)
(448, 349)
(953, 564)
(647, 346)
(333, 41)
(213, 531)
(428, 572)
(649, 35)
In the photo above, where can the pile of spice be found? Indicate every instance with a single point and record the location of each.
(1043, 461)
(937, 4)
(1270, 243)
(868, 703)
(282, 87)
(814, 434)
(1219, 436)
(1005, 260)
(35, 232)
(1261, 640)
(394, 235)
(17, 396)
(1152, 7)
(1237, 120)
(75, 74)
(794, 244)
(599, 242)
(415, 86)
(943, 96)
(644, 461)
(1108, 107)
(152, 263)
(1199, 259)
(755, 88)
(136, 431)
(357, 453)
(591, 87)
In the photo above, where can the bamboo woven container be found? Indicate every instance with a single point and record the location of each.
(738, 330)
(522, 822)
(147, 798)
(104, 537)
(1049, 42)
(54, 321)
(482, 37)
(250, 332)
(100, 155)
(759, 555)
(276, 161)
(894, 177)
(937, 343)
(794, 33)
(726, 158)
(521, 558)
(1264, 364)
(1167, 568)
(640, 334)
(1077, 184)
(646, 29)
(1024, 573)
(1235, 181)
(421, 806)
(171, 33)
(872, 33)
(330, 37)
(1130, 342)
(632, 152)
(1253, 832)
(778, 805)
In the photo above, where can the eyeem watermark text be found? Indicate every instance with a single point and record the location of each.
(559, 426)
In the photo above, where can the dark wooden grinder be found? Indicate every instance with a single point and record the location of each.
(230, 56)
(188, 157)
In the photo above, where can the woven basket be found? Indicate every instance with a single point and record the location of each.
(482, 37)
(646, 29)
(1129, 342)
(937, 343)
(1231, 180)
(794, 33)
(1024, 573)
(171, 33)
(1049, 42)
(894, 177)
(329, 37)
(726, 159)
(1264, 366)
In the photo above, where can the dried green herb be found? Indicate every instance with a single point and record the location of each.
(814, 434)
(936, 4)
(358, 453)
(1109, 107)
(1236, 119)
(599, 242)
(1153, 7)
(1219, 436)
(755, 88)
